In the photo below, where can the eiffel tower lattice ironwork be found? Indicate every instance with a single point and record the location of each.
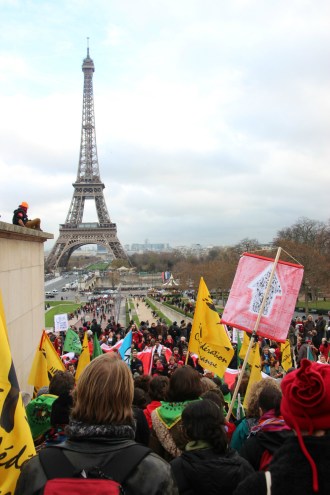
(74, 233)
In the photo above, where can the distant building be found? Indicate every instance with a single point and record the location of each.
(143, 248)
(194, 249)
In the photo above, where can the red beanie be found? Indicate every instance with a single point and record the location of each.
(306, 403)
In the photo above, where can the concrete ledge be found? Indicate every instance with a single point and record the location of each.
(22, 287)
(10, 231)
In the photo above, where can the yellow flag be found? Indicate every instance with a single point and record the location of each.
(244, 348)
(208, 338)
(255, 374)
(45, 364)
(84, 358)
(16, 444)
(286, 355)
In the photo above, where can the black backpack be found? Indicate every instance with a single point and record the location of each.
(65, 479)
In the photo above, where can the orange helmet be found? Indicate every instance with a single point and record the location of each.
(24, 204)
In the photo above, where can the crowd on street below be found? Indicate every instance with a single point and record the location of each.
(178, 411)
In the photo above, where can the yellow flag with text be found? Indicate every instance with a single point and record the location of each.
(16, 444)
(244, 348)
(255, 374)
(45, 363)
(286, 355)
(209, 338)
(84, 358)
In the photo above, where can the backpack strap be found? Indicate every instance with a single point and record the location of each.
(268, 477)
(125, 461)
(56, 464)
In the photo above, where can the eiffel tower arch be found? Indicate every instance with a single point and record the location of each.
(88, 186)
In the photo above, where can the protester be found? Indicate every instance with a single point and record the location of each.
(303, 350)
(167, 437)
(102, 429)
(301, 465)
(142, 432)
(207, 464)
(216, 396)
(157, 390)
(325, 349)
(309, 326)
(244, 427)
(265, 360)
(39, 410)
(276, 370)
(271, 430)
(20, 217)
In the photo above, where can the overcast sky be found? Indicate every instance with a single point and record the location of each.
(212, 116)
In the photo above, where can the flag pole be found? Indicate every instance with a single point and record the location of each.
(254, 333)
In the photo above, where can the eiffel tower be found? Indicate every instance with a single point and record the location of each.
(74, 233)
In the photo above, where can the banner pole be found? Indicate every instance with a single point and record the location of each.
(254, 333)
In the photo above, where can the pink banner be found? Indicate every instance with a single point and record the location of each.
(248, 289)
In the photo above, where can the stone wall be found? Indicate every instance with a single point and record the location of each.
(22, 288)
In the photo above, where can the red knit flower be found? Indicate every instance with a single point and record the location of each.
(306, 396)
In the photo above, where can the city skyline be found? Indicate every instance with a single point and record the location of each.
(212, 118)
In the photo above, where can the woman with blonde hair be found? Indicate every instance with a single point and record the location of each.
(101, 437)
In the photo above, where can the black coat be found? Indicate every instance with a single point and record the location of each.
(151, 477)
(204, 471)
(254, 447)
(291, 472)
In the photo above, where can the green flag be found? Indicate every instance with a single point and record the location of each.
(97, 351)
(72, 342)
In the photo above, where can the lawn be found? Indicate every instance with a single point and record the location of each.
(58, 308)
(101, 265)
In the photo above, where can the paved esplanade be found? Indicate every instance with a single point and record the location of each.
(145, 313)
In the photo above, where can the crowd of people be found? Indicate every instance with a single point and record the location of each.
(178, 412)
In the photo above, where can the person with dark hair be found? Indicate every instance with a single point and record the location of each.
(96, 328)
(301, 465)
(217, 397)
(142, 432)
(135, 362)
(207, 464)
(320, 327)
(62, 382)
(303, 350)
(271, 431)
(143, 382)
(100, 435)
(309, 326)
(44, 422)
(167, 438)
(325, 349)
(158, 390)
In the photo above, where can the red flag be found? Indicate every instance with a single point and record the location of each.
(230, 376)
(146, 357)
(248, 289)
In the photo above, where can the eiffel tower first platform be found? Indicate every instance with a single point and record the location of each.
(88, 186)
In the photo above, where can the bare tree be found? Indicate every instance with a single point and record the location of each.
(308, 241)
